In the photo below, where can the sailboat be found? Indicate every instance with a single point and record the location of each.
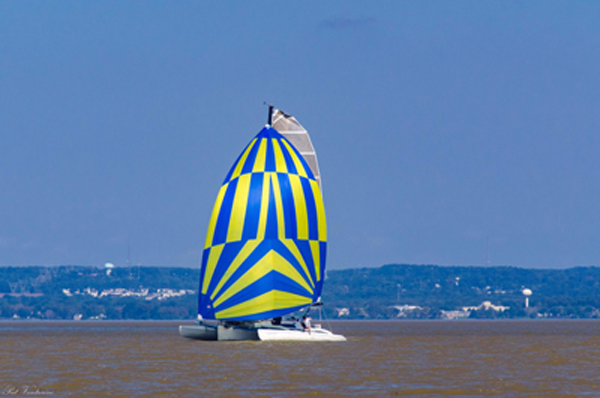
(266, 244)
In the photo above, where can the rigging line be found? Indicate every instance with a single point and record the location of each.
(326, 319)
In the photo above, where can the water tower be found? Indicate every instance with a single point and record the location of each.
(109, 267)
(526, 293)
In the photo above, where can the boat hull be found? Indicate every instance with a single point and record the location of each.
(298, 335)
(220, 333)
(232, 333)
(198, 332)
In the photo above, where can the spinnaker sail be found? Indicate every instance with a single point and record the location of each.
(266, 243)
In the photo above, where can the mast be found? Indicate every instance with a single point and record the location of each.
(270, 118)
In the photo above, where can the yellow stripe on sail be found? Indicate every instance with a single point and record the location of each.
(235, 264)
(273, 300)
(278, 207)
(258, 270)
(280, 165)
(291, 245)
(211, 263)
(299, 167)
(215, 215)
(259, 163)
(238, 209)
(264, 206)
(272, 261)
(321, 222)
(315, 248)
(240, 165)
(300, 206)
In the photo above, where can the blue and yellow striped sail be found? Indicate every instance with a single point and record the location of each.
(267, 238)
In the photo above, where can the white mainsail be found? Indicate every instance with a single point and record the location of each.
(288, 126)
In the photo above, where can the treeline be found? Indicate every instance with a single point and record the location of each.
(374, 292)
(388, 292)
(39, 293)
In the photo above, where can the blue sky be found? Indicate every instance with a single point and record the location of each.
(438, 125)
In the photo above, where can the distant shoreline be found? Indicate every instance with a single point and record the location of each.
(390, 292)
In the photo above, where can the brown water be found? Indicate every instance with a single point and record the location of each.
(425, 358)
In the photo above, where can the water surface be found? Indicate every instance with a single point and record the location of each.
(402, 358)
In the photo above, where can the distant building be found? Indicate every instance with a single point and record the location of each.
(487, 305)
(404, 309)
(160, 294)
(343, 312)
(455, 314)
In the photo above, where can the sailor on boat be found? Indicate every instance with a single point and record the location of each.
(306, 323)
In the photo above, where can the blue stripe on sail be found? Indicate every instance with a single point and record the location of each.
(270, 132)
(286, 284)
(271, 226)
(230, 251)
(205, 254)
(305, 251)
(253, 207)
(270, 160)
(271, 281)
(222, 225)
(311, 210)
(261, 250)
(205, 307)
(289, 209)
(288, 158)
(249, 164)
(309, 172)
(323, 253)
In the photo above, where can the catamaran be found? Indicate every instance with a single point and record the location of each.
(266, 244)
